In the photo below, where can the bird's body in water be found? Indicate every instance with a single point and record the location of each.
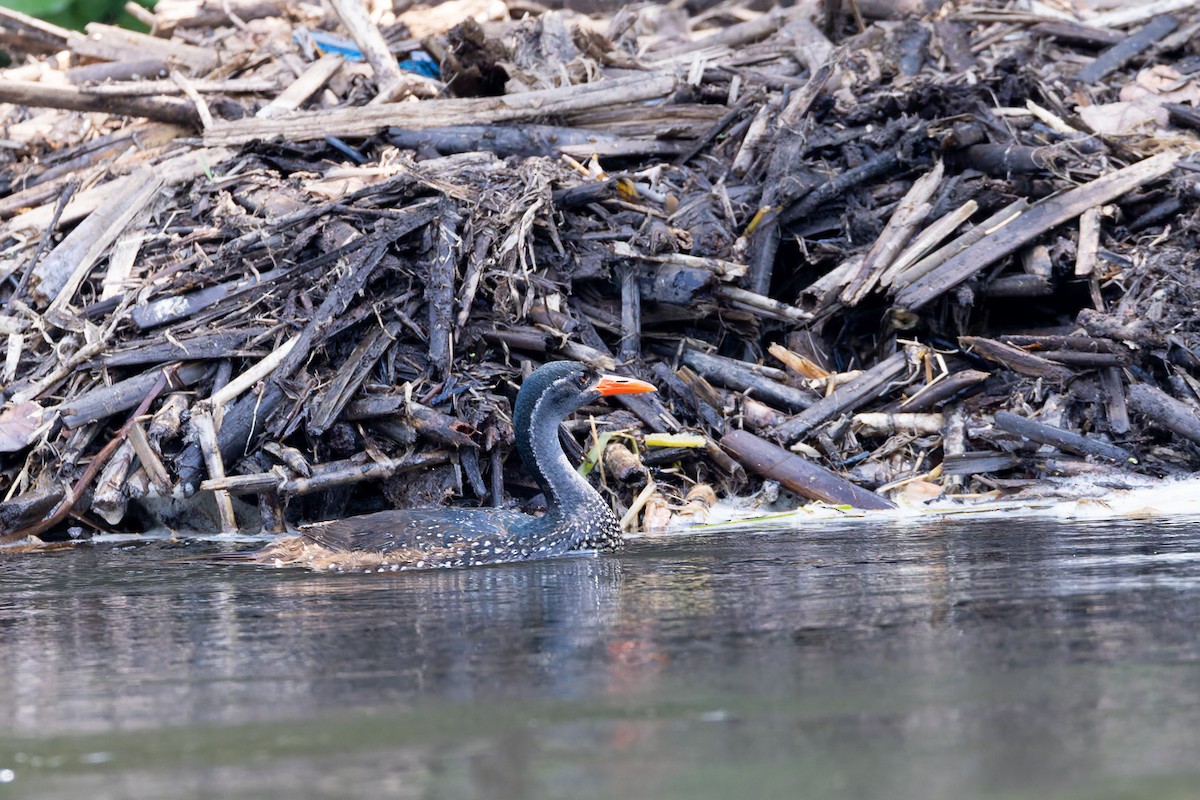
(577, 517)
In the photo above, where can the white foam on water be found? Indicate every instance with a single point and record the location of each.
(1078, 499)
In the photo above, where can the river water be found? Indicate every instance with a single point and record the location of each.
(1007, 658)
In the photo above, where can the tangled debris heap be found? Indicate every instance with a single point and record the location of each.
(935, 255)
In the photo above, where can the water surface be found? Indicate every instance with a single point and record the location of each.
(951, 659)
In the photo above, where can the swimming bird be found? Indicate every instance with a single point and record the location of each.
(577, 517)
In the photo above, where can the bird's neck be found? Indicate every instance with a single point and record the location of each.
(567, 491)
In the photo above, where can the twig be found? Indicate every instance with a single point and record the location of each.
(64, 508)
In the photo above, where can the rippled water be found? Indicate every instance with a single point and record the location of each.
(935, 660)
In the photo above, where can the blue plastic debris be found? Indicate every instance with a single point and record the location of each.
(327, 43)
(421, 63)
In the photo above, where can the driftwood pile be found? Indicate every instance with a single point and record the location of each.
(278, 262)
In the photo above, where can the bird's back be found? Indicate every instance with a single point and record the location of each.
(416, 528)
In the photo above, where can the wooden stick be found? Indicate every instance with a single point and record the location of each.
(439, 289)
(954, 444)
(941, 390)
(59, 275)
(28, 34)
(187, 166)
(910, 274)
(800, 475)
(163, 109)
(1114, 400)
(912, 210)
(1042, 217)
(109, 500)
(881, 424)
(631, 316)
(304, 87)
(206, 436)
(63, 510)
(1089, 243)
(360, 121)
(325, 476)
(108, 400)
(1128, 48)
(927, 239)
(388, 77)
(847, 397)
(1165, 411)
(1016, 359)
(767, 306)
(110, 43)
(327, 406)
(1056, 437)
(149, 459)
(761, 382)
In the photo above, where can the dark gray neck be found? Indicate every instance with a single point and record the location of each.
(566, 490)
(576, 516)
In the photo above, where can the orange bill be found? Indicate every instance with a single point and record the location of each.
(619, 384)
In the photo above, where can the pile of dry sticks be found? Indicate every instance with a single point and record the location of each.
(278, 262)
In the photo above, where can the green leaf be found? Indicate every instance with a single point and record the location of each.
(37, 8)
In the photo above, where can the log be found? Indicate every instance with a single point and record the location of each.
(24, 33)
(122, 395)
(1075, 443)
(747, 379)
(162, 109)
(110, 43)
(941, 391)
(1165, 411)
(799, 475)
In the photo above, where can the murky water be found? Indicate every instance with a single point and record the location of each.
(939, 660)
